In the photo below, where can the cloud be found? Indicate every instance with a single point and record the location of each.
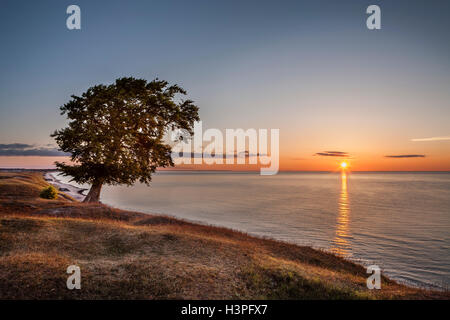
(332, 154)
(22, 149)
(15, 146)
(431, 139)
(406, 156)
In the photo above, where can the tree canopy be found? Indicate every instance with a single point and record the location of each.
(115, 133)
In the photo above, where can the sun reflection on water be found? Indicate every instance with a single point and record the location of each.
(340, 243)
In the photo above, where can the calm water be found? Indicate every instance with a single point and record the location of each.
(399, 221)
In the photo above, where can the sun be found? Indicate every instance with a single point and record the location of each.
(344, 165)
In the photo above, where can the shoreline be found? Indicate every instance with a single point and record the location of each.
(70, 190)
(155, 257)
(77, 193)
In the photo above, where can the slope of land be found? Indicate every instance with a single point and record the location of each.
(128, 255)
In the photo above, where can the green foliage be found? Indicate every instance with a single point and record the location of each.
(49, 192)
(115, 134)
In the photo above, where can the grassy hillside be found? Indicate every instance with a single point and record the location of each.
(126, 255)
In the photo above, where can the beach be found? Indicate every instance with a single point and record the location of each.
(69, 189)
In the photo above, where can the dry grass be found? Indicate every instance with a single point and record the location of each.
(126, 255)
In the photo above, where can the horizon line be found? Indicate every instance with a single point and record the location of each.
(251, 171)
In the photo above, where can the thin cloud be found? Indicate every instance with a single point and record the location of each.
(406, 156)
(15, 146)
(332, 154)
(431, 139)
(23, 149)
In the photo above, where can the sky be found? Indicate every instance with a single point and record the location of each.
(312, 69)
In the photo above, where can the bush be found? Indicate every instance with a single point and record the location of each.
(49, 193)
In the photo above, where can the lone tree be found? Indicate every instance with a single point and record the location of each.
(115, 134)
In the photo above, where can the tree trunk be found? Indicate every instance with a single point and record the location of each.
(94, 192)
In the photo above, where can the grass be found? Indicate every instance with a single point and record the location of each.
(129, 255)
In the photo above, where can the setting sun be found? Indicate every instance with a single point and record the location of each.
(344, 165)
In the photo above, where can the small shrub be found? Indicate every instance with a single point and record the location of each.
(49, 193)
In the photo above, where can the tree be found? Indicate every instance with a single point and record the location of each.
(115, 133)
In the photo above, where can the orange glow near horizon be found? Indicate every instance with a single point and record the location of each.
(294, 162)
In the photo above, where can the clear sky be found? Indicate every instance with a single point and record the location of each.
(310, 68)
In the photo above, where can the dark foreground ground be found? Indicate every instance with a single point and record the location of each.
(127, 255)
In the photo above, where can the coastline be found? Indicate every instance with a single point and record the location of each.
(132, 255)
(68, 189)
(77, 193)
